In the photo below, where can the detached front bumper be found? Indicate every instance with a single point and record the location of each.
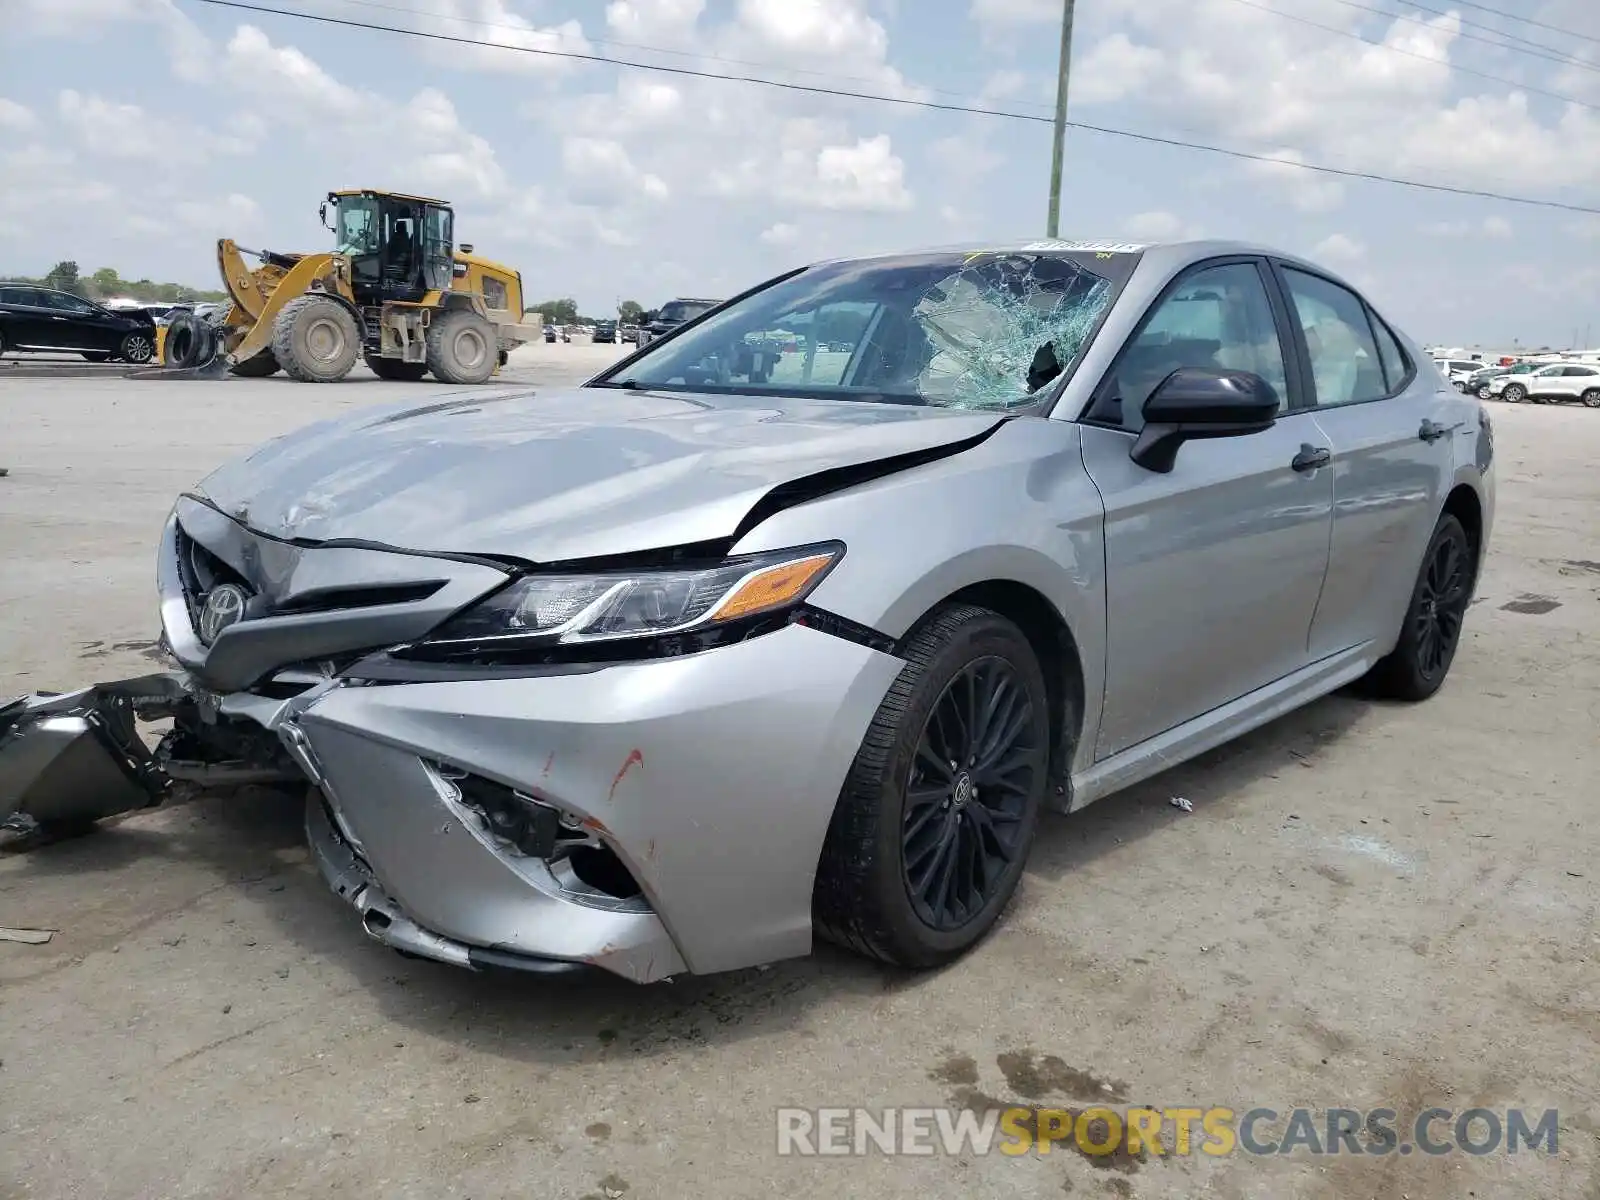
(710, 778)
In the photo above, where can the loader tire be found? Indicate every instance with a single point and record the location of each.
(393, 368)
(462, 347)
(316, 339)
(258, 366)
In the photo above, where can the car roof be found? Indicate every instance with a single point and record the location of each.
(1170, 255)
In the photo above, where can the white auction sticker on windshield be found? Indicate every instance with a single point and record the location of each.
(1107, 247)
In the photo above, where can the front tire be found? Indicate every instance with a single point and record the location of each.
(933, 825)
(1515, 393)
(1591, 398)
(137, 348)
(393, 368)
(1421, 659)
(316, 339)
(462, 347)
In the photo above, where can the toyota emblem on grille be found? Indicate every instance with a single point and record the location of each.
(224, 606)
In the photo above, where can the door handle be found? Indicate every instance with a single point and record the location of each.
(1311, 457)
(1431, 432)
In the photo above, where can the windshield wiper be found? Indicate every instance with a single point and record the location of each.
(626, 385)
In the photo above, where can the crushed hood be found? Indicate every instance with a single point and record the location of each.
(550, 476)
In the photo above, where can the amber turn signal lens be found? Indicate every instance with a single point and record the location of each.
(773, 587)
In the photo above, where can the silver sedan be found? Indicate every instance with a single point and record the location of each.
(792, 622)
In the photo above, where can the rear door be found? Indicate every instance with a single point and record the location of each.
(1212, 569)
(1392, 430)
(1577, 380)
(31, 319)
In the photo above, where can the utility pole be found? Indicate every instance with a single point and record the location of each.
(1053, 227)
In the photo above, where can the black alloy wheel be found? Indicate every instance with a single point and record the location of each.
(1431, 634)
(1442, 601)
(931, 832)
(976, 764)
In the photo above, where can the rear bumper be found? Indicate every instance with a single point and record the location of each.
(711, 778)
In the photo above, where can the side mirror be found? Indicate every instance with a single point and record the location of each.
(1196, 403)
(322, 215)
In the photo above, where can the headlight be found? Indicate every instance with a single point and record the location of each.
(611, 605)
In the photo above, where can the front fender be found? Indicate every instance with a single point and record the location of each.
(1018, 507)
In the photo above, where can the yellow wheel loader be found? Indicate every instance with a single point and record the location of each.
(395, 291)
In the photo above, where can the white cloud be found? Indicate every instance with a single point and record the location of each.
(188, 50)
(652, 22)
(1308, 191)
(16, 117)
(602, 173)
(781, 234)
(1115, 68)
(835, 36)
(1489, 227)
(511, 36)
(865, 176)
(225, 217)
(292, 87)
(1015, 12)
(1339, 248)
(1157, 226)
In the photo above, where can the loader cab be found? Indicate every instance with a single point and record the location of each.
(400, 247)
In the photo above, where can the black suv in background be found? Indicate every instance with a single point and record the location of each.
(45, 320)
(670, 315)
(605, 331)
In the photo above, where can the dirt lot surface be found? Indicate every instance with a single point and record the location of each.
(1370, 906)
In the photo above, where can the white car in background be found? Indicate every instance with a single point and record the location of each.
(1458, 369)
(1551, 385)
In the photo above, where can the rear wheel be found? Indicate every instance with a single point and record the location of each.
(137, 348)
(1515, 393)
(462, 347)
(933, 826)
(316, 339)
(258, 366)
(393, 368)
(1592, 397)
(1421, 659)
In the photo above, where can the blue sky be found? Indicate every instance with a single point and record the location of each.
(135, 132)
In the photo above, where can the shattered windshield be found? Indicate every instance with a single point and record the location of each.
(984, 330)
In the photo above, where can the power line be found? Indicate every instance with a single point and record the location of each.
(692, 54)
(1501, 13)
(1501, 39)
(1427, 58)
(813, 89)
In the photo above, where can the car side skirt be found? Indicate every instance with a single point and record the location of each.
(1220, 725)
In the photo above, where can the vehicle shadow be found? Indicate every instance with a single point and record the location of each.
(254, 841)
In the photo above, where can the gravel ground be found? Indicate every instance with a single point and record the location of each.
(1370, 905)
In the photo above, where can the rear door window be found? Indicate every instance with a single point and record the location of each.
(1345, 365)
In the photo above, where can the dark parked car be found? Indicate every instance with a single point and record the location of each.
(662, 321)
(605, 331)
(43, 319)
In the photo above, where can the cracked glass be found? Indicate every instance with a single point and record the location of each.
(984, 330)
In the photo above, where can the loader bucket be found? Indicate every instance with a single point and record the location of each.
(66, 760)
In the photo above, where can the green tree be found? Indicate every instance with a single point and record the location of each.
(64, 277)
(558, 312)
(106, 282)
(630, 312)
